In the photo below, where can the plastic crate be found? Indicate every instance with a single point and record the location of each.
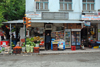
(36, 50)
(73, 48)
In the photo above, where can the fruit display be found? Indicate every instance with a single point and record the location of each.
(38, 38)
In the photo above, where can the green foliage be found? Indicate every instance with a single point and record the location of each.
(11, 10)
(29, 43)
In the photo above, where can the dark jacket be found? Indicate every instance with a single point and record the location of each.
(48, 39)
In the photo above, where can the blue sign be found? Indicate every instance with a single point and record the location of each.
(87, 23)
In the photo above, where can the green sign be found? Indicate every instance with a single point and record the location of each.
(98, 30)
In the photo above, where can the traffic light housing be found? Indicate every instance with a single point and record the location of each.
(26, 21)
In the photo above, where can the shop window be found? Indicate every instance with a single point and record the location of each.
(88, 4)
(37, 31)
(65, 4)
(42, 5)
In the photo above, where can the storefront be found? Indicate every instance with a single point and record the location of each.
(59, 32)
(90, 31)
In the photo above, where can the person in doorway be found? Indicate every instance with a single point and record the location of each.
(47, 41)
(13, 40)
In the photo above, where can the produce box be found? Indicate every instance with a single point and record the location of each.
(36, 50)
(17, 50)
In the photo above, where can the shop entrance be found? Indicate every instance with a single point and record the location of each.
(46, 32)
(84, 36)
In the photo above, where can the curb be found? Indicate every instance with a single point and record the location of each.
(54, 53)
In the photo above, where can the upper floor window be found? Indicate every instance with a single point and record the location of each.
(65, 4)
(42, 5)
(88, 4)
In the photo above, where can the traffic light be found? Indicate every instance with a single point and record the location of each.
(24, 20)
(28, 22)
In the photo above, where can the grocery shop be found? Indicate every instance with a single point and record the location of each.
(64, 34)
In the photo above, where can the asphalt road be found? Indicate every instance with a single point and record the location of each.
(59, 60)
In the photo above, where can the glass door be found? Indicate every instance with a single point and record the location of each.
(67, 39)
(78, 38)
(73, 37)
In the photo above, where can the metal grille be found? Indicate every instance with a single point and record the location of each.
(55, 15)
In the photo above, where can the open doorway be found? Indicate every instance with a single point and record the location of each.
(46, 33)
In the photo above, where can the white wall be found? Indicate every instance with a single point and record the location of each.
(53, 5)
(29, 5)
(77, 5)
(75, 15)
(97, 5)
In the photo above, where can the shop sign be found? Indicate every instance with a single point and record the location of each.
(90, 17)
(87, 23)
(99, 30)
(33, 15)
(1, 34)
(37, 0)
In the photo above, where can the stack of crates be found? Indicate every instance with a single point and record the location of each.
(55, 47)
(7, 50)
(36, 50)
(17, 50)
(73, 48)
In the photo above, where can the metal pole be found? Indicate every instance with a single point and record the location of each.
(10, 38)
(25, 35)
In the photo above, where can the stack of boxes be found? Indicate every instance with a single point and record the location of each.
(7, 50)
(72, 26)
(17, 50)
(55, 47)
(36, 49)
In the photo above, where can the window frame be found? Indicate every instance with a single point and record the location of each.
(89, 5)
(44, 2)
(63, 2)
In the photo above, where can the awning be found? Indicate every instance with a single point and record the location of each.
(46, 21)
(14, 21)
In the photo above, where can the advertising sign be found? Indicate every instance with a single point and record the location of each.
(99, 30)
(87, 23)
(37, 0)
(33, 15)
(90, 17)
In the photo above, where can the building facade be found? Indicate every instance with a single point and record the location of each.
(64, 15)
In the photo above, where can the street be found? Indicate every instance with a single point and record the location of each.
(57, 60)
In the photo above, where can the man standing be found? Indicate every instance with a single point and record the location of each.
(47, 41)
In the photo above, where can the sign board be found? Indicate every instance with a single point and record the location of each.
(87, 23)
(90, 17)
(99, 30)
(1, 33)
(34, 15)
(37, 0)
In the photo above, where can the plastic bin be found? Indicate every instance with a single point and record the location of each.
(73, 48)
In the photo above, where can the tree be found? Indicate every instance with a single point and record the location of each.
(11, 10)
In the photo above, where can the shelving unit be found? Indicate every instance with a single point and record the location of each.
(67, 37)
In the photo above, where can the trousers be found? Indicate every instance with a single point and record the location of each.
(47, 46)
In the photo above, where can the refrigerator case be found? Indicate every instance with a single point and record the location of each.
(67, 38)
(76, 38)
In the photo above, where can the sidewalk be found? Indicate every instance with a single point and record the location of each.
(87, 50)
(67, 51)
